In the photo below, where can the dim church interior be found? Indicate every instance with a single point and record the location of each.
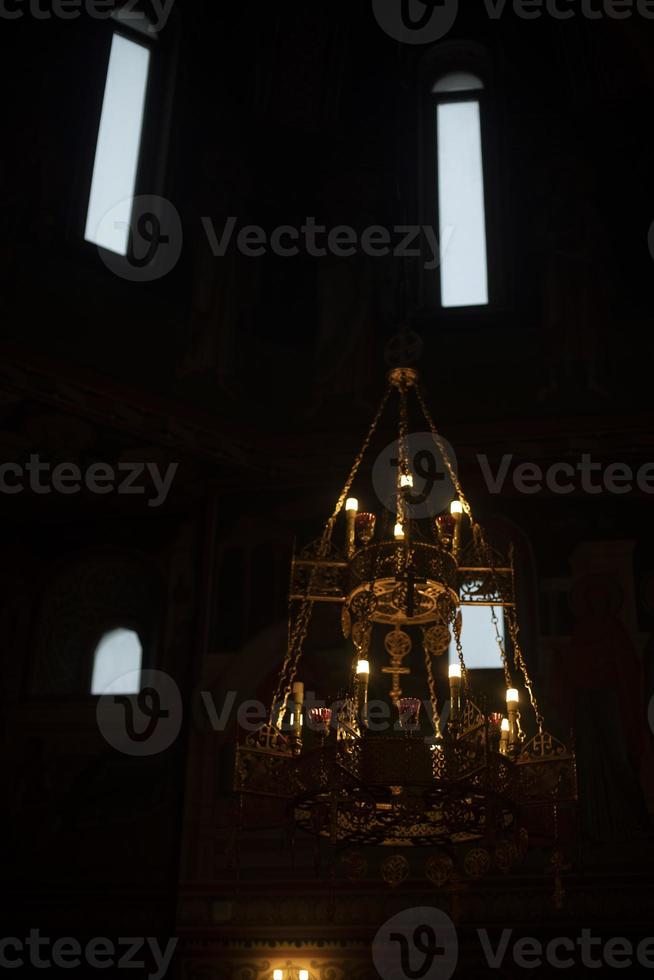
(257, 377)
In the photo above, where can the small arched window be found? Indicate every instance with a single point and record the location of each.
(117, 663)
(458, 81)
(461, 198)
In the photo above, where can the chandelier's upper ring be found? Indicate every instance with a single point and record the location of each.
(423, 592)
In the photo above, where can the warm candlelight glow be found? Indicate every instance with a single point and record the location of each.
(304, 975)
(420, 588)
(278, 975)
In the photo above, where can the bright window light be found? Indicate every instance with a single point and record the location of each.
(464, 270)
(478, 638)
(118, 148)
(117, 663)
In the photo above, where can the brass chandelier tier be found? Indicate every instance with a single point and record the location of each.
(474, 778)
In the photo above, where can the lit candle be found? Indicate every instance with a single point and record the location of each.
(455, 691)
(512, 701)
(456, 510)
(399, 532)
(504, 736)
(304, 975)
(363, 676)
(351, 508)
(405, 483)
(278, 975)
(298, 699)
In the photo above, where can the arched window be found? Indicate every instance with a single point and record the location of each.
(117, 663)
(458, 81)
(460, 190)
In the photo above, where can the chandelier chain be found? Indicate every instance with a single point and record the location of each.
(502, 648)
(522, 666)
(513, 626)
(433, 695)
(329, 527)
(438, 439)
(298, 635)
(459, 649)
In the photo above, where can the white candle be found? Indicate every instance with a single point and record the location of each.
(455, 691)
(512, 701)
(351, 510)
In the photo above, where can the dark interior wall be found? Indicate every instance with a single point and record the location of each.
(256, 376)
(300, 112)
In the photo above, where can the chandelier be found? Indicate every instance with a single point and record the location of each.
(464, 771)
